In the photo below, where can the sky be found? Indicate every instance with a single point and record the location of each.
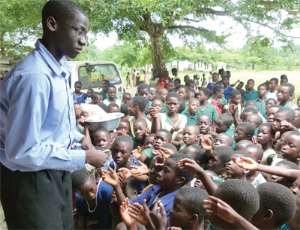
(237, 39)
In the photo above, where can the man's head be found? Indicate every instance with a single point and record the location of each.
(285, 93)
(65, 28)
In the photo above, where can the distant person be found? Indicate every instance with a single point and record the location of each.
(78, 96)
(272, 89)
(283, 79)
(250, 93)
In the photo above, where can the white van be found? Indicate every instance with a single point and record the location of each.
(93, 73)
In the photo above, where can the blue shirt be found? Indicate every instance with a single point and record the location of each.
(227, 92)
(152, 196)
(37, 125)
(79, 99)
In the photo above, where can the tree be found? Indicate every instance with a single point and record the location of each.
(19, 20)
(152, 20)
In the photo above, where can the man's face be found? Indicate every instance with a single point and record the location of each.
(71, 34)
(283, 94)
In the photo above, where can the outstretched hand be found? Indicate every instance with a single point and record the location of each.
(125, 213)
(246, 163)
(190, 165)
(110, 177)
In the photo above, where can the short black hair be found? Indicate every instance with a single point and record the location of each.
(249, 128)
(291, 88)
(227, 119)
(275, 80)
(192, 200)
(241, 195)
(125, 138)
(59, 9)
(141, 102)
(78, 83)
(234, 93)
(170, 147)
(279, 199)
(224, 154)
(79, 178)
(143, 86)
(205, 91)
(168, 134)
(173, 94)
(218, 88)
(288, 112)
(124, 109)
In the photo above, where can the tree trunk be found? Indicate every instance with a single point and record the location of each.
(157, 55)
(2, 48)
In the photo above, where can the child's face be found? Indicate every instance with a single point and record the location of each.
(270, 103)
(283, 94)
(262, 91)
(220, 94)
(152, 94)
(271, 113)
(201, 96)
(221, 140)
(278, 118)
(120, 153)
(111, 92)
(159, 139)
(102, 139)
(272, 85)
(240, 134)
(167, 177)
(157, 104)
(264, 135)
(180, 216)
(144, 92)
(173, 105)
(219, 126)
(123, 127)
(290, 147)
(193, 106)
(89, 189)
(177, 141)
(113, 109)
(77, 88)
(250, 85)
(190, 135)
(215, 164)
(163, 94)
(182, 93)
(140, 130)
(204, 124)
(237, 99)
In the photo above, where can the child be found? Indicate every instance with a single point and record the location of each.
(123, 128)
(92, 201)
(265, 137)
(283, 120)
(217, 99)
(191, 135)
(250, 94)
(111, 96)
(192, 111)
(224, 124)
(272, 91)
(241, 196)
(188, 212)
(171, 121)
(261, 100)
(113, 108)
(182, 93)
(204, 124)
(206, 108)
(271, 112)
(285, 96)
(277, 206)
(170, 179)
(290, 146)
(101, 138)
(140, 132)
(78, 96)
(143, 90)
(222, 140)
(178, 140)
(244, 131)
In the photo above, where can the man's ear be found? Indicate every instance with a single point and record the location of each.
(51, 24)
(269, 214)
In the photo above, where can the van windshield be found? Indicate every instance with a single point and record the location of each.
(93, 76)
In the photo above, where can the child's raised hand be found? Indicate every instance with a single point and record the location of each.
(207, 142)
(190, 165)
(215, 207)
(137, 152)
(124, 212)
(287, 126)
(246, 163)
(110, 177)
(158, 216)
(140, 213)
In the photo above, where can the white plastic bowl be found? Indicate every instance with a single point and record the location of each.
(110, 121)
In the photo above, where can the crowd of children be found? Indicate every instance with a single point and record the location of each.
(190, 156)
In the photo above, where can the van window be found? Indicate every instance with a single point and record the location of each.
(92, 76)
